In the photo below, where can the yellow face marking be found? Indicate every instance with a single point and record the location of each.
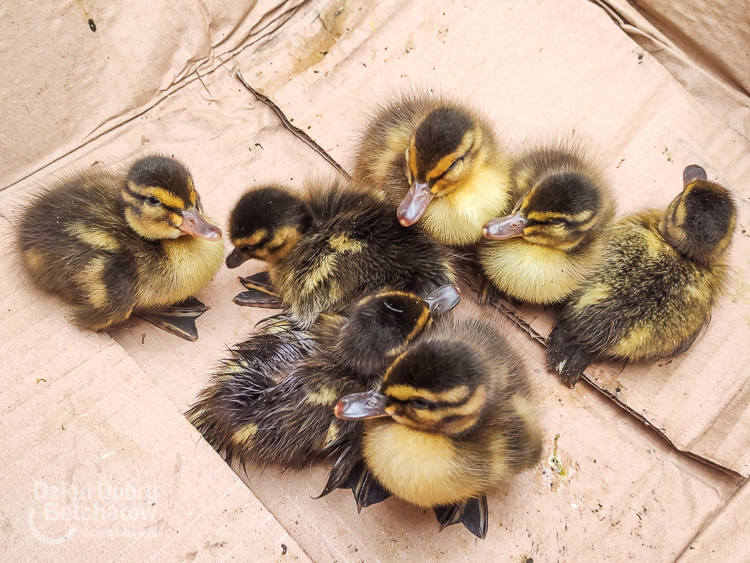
(411, 159)
(130, 198)
(342, 243)
(444, 163)
(472, 406)
(279, 246)
(457, 216)
(252, 240)
(462, 417)
(542, 216)
(324, 396)
(165, 196)
(403, 392)
(93, 237)
(681, 212)
(242, 435)
(419, 326)
(193, 193)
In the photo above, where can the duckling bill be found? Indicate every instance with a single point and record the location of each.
(451, 419)
(662, 273)
(328, 247)
(115, 245)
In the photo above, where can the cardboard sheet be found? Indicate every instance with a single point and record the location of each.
(535, 69)
(99, 465)
(703, 45)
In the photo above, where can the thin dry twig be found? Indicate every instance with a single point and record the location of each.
(299, 133)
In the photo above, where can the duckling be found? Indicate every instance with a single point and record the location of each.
(273, 399)
(329, 247)
(452, 418)
(441, 161)
(661, 275)
(552, 241)
(114, 245)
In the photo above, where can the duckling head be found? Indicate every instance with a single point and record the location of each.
(700, 221)
(436, 386)
(443, 152)
(559, 211)
(265, 224)
(161, 202)
(380, 326)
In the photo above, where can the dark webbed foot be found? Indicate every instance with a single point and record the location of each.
(472, 513)
(566, 358)
(260, 282)
(178, 319)
(351, 473)
(260, 292)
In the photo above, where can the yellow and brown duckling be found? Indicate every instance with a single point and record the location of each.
(273, 399)
(440, 161)
(329, 246)
(552, 241)
(661, 275)
(114, 245)
(451, 420)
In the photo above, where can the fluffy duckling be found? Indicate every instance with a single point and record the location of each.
(451, 419)
(661, 275)
(329, 247)
(273, 400)
(113, 245)
(552, 241)
(441, 161)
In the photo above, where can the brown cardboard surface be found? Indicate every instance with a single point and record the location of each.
(534, 68)
(99, 465)
(723, 538)
(704, 46)
(69, 84)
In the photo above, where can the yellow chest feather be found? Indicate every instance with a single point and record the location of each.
(189, 264)
(421, 468)
(534, 273)
(458, 217)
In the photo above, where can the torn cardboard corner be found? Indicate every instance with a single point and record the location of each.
(694, 40)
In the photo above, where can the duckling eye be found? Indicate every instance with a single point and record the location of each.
(392, 308)
(419, 403)
(152, 201)
(454, 164)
